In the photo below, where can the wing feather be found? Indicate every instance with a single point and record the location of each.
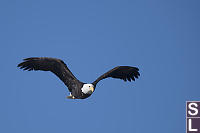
(120, 72)
(57, 66)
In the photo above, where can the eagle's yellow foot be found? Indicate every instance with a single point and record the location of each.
(70, 96)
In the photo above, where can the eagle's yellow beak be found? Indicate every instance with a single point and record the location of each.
(92, 89)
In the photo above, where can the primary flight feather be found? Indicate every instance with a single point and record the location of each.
(78, 89)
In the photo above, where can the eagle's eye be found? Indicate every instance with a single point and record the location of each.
(89, 86)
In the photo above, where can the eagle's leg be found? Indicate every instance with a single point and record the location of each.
(70, 96)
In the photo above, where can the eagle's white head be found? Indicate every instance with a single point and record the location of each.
(87, 88)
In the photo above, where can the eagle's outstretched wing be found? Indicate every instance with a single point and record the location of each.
(57, 66)
(121, 72)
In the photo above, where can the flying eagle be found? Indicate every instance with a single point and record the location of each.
(78, 89)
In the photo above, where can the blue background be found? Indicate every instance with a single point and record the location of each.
(160, 37)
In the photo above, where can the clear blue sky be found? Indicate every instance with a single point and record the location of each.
(162, 38)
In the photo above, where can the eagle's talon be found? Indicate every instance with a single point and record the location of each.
(70, 97)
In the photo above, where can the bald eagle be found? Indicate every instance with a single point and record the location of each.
(78, 89)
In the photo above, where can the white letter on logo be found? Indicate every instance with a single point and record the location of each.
(190, 126)
(193, 108)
